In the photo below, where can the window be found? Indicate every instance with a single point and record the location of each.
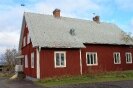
(128, 57)
(24, 41)
(117, 59)
(91, 58)
(60, 59)
(26, 61)
(32, 60)
(28, 38)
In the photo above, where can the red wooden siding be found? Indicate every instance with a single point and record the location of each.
(104, 54)
(27, 50)
(47, 63)
(105, 58)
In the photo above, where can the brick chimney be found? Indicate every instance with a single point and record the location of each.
(96, 19)
(56, 13)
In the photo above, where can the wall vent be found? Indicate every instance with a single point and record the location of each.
(72, 31)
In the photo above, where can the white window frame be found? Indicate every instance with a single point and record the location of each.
(32, 60)
(26, 61)
(28, 38)
(118, 58)
(60, 52)
(24, 41)
(96, 58)
(130, 56)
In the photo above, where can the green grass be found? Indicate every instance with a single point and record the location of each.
(103, 77)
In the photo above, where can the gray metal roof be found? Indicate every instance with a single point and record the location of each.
(48, 31)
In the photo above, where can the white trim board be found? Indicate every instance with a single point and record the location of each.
(80, 62)
(38, 63)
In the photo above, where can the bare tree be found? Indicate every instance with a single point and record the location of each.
(127, 37)
(9, 59)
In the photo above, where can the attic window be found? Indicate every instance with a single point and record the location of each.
(72, 32)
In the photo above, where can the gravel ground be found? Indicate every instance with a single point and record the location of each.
(118, 84)
(5, 83)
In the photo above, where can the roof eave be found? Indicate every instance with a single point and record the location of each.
(110, 44)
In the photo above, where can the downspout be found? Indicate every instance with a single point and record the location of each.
(80, 62)
(38, 49)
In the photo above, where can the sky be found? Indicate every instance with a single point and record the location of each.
(119, 12)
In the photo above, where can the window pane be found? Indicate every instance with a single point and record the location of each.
(57, 55)
(115, 58)
(62, 59)
(127, 57)
(91, 58)
(94, 59)
(88, 59)
(57, 59)
(57, 62)
(118, 58)
(131, 57)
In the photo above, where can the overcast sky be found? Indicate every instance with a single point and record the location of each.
(119, 12)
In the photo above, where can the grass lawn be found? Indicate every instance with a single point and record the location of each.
(103, 77)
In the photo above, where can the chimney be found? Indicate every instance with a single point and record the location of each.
(56, 13)
(96, 19)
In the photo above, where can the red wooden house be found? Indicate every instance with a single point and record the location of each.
(55, 46)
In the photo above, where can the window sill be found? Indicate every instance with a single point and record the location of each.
(92, 64)
(117, 63)
(60, 66)
(128, 62)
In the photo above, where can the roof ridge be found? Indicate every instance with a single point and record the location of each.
(65, 17)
